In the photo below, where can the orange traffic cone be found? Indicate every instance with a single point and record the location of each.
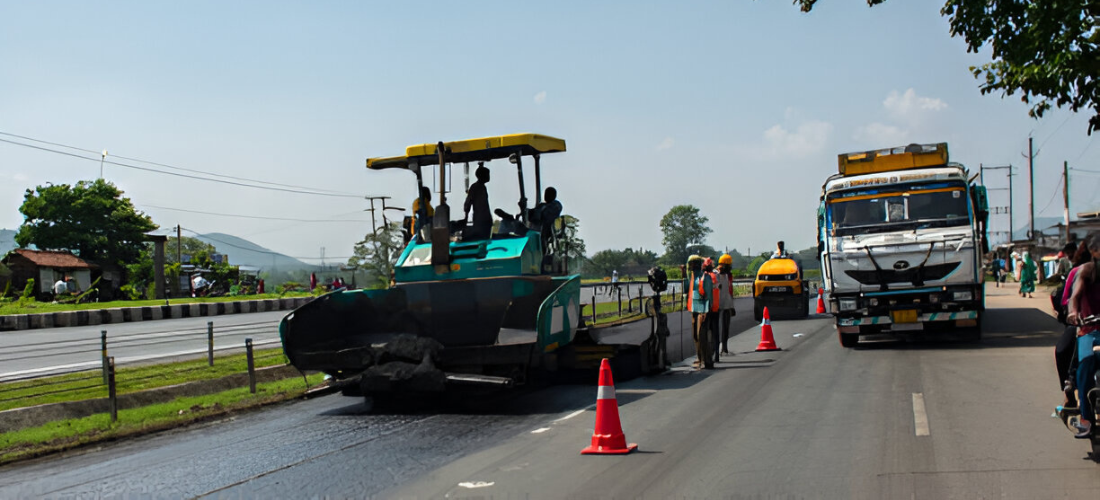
(608, 438)
(767, 341)
(821, 301)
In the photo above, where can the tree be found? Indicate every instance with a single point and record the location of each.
(682, 227)
(377, 254)
(91, 219)
(1046, 50)
(198, 250)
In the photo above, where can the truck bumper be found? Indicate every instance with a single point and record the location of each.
(926, 321)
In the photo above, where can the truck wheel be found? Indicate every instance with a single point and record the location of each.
(848, 339)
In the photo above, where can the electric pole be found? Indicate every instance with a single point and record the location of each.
(179, 245)
(1065, 196)
(1031, 188)
(1001, 209)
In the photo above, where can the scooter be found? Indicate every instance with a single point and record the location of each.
(1071, 416)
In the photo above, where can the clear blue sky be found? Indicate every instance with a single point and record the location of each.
(739, 108)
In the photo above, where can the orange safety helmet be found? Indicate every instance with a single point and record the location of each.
(725, 259)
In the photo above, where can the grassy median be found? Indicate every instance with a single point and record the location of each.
(66, 434)
(89, 384)
(13, 307)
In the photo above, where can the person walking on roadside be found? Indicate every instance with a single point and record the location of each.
(1027, 276)
(699, 298)
(998, 266)
(725, 302)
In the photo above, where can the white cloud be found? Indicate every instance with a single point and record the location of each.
(808, 139)
(667, 143)
(909, 106)
(882, 135)
(540, 97)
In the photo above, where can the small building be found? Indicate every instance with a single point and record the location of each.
(46, 267)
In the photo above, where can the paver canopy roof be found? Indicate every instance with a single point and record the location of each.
(47, 258)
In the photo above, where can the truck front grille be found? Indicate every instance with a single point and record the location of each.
(916, 276)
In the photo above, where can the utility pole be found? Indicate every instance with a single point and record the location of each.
(102, 157)
(1065, 196)
(1001, 209)
(179, 245)
(1031, 188)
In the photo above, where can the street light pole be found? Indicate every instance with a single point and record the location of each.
(103, 156)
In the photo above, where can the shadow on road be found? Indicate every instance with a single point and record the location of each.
(1018, 327)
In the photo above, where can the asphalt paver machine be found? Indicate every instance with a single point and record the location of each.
(484, 313)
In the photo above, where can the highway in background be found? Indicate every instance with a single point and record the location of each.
(886, 420)
(54, 350)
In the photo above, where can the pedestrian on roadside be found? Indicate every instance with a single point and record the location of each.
(312, 281)
(1027, 276)
(1065, 262)
(998, 269)
(699, 305)
(725, 302)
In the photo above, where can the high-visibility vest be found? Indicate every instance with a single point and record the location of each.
(714, 289)
(691, 293)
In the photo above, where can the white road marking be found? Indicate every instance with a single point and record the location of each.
(476, 484)
(569, 416)
(920, 417)
(540, 430)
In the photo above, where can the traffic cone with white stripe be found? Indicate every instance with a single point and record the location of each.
(608, 438)
(821, 301)
(767, 340)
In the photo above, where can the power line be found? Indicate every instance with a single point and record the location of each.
(146, 169)
(192, 231)
(1056, 188)
(254, 216)
(1040, 148)
(173, 167)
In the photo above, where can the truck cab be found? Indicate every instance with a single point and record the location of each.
(900, 237)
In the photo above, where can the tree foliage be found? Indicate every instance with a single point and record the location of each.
(377, 254)
(573, 245)
(91, 219)
(199, 250)
(683, 227)
(606, 261)
(1048, 51)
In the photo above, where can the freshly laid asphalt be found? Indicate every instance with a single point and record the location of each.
(922, 419)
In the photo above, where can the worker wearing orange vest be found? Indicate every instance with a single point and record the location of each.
(725, 303)
(699, 299)
(714, 314)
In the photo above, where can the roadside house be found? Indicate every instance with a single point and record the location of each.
(46, 267)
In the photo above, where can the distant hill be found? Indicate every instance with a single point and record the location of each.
(7, 241)
(242, 252)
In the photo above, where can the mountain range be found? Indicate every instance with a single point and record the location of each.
(240, 251)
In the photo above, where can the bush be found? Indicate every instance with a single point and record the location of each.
(28, 293)
(288, 286)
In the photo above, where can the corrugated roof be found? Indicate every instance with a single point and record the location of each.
(46, 258)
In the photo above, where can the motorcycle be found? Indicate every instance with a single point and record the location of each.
(1071, 416)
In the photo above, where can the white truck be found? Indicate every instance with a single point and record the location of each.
(901, 233)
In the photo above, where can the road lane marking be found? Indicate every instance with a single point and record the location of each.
(540, 430)
(476, 484)
(569, 416)
(920, 417)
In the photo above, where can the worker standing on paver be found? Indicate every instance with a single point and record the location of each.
(725, 302)
(699, 304)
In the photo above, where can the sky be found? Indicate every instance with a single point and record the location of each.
(738, 108)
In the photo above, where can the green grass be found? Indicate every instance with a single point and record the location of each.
(49, 307)
(65, 434)
(89, 385)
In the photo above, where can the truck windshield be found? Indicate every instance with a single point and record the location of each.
(864, 213)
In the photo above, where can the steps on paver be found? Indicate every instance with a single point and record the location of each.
(146, 313)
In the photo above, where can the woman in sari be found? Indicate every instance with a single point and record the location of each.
(1027, 276)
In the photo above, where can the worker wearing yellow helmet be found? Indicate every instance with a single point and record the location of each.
(726, 310)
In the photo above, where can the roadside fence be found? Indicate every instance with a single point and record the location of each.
(102, 378)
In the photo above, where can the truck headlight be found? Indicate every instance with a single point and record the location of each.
(847, 304)
(964, 295)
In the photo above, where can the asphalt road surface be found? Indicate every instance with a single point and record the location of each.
(54, 350)
(886, 420)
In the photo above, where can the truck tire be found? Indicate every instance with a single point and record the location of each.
(848, 340)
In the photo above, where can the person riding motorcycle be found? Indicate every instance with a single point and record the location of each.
(1085, 302)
